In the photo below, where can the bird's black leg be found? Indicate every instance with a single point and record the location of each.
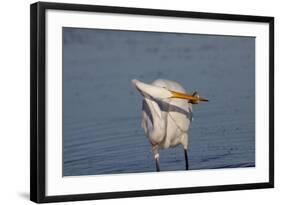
(186, 159)
(155, 151)
(157, 164)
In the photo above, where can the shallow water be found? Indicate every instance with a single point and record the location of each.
(102, 110)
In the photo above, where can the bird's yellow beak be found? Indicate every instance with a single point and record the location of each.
(194, 99)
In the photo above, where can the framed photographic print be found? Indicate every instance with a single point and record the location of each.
(129, 102)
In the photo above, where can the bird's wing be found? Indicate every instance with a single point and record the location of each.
(152, 115)
(180, 112)
(147, 119)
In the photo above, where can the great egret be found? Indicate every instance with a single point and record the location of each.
(167, 114)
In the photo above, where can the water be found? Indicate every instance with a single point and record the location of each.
(102, 110)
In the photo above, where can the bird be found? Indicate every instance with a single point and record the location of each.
(166, 115)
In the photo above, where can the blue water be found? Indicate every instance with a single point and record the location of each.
(102, 131)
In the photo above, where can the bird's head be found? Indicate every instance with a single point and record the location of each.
(162, 93)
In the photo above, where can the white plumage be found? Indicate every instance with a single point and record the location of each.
(166, 121)
(167, 114)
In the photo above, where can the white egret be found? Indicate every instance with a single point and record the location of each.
(167, 114)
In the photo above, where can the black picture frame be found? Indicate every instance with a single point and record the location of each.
(38, 101)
